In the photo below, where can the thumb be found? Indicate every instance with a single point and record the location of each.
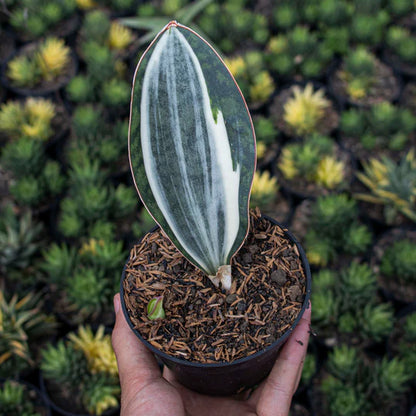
(136, 365)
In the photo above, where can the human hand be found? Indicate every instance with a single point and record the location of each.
(145, 391)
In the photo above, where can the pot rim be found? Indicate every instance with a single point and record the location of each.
(279, 341)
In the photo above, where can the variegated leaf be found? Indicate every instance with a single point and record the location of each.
(192, 147)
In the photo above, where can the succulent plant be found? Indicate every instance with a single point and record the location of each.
(369, 27)
(298, 51)
(85, 369)
(19, 240)
(343, 363)
(392, 185)
(406, 346)
(80, 89)
(314, 161)
(305, 109)
(333, 221)
(16, 399)
(35, 17)
(49, 60)
(399, 261)
(31, 119)
(59, 262)
(390, 378)
(115, 92)
(254, 80)
(22, 324)
(264, 191)
(402, 43)
(377, 321)
(358, 72)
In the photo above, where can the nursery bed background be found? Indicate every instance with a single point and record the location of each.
(331, 88)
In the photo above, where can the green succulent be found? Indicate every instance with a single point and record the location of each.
(59, 262)
(401, 7)
(115, 92)
(101, 393)
(19, 240)
(22, 325)
(392, 185)
(402, 42)
(95, 26)
(390, 378)
(88, 291)
(376, 321)
(100, 61)
(309, 368)
(285, 16)
(86, 120)
(23, 157)
(80, 89)
(369, 28)
(357, 286)
(399, 261)
(17, 400)
(343, 363)
(325, 307)
(64, 364)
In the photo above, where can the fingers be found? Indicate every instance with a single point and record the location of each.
(275, 395)
(137, 366)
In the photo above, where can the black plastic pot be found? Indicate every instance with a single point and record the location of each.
(224, 379)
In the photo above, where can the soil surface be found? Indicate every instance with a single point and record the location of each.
(203, 324)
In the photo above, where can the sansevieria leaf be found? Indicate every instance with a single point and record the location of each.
(192, 149)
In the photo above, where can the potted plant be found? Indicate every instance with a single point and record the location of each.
(255, 81)
(402, 341)
(317, 166)
(331, 230)
(80, 373)
(23, 325)
(362, 79)
(348, 308)
(299, 111)
(35, 18)
(353, 384)
(36, 118)
(198, 278)
(391, 201)
(393, 260)
(383, 128)
(40, 68)
(20, 398)
(299, 54)
(401, 50)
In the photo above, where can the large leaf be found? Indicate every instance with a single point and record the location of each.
(192, 147)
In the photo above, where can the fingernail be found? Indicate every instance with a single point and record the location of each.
(116, 303)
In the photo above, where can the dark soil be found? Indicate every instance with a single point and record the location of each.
(329, 121)
(203, 324)
(385, 87)
(401, 291)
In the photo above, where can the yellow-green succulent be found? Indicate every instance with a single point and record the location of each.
(330, 172)
(391, 184)
(52, 57)
(262, 88)
(97, 349)
(305, 109)
(264, 189)
(236, 65)
(30, 119)
(119, 36)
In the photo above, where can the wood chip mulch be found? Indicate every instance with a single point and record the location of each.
(203, 324)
